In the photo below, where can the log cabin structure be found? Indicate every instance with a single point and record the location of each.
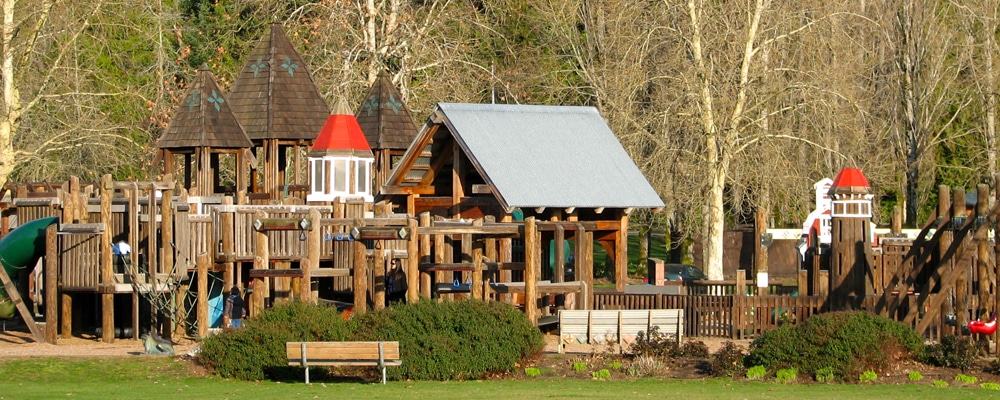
(508, 162)
(203, 127)
(281, 109)
(388, 126)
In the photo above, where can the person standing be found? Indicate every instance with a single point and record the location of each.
(395, 283)
(235, 308)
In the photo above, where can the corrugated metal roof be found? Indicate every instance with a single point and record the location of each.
(549, 156)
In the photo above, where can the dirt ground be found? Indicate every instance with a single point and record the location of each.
(20, 343)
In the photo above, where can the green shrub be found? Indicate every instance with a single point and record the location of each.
(825, 375)
(532, 372)
(258, 349)
(966, 379)
(756, 372)
(989, 386)
(868, 376)
(451, 340)
(953, 352)
(579, 366)
(615, 365)
(728, 361)
(786, 375)
(602, 374)
(940, 383)
(851, 342)
(915, 376)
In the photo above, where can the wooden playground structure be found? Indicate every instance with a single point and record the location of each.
(185, 249)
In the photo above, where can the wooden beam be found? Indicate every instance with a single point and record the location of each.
(311, 264)
(360, 277)
(202, 261)
(107, 273)
(378, 233)
(532, 261)
(413, 279)
(51, 284)
(282, 224)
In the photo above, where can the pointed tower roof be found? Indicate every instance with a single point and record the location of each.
(274, 95)
(850, 180)
(203, 118)
(384, 117)
(341, 135)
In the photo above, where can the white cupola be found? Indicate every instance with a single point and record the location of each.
(340, 159)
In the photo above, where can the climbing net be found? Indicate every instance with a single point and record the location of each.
(166, 293)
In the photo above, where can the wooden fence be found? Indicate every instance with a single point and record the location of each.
(744, 317)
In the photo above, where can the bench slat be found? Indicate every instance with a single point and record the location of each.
(331, 351)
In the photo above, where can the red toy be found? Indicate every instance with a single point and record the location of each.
(986, 328)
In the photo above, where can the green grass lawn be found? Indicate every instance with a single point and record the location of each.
(162, 377)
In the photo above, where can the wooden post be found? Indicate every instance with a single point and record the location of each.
(586, 268)
(414, 280)
(491, 255)
(996, 256)
(944, 207)
(477, 264)
(315, 238)
(227, 220)
(107, 273)
(360, 274)
(441, 250)
(760, 250)
(261, 260)
(51, 285)
(202, 261)
(621, 253)
(559, 259)
(962, 284)
(425, 255)
(532, 265)
(983, 254)
(378, 269)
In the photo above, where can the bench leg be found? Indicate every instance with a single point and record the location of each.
(307, 375)
(383, 374)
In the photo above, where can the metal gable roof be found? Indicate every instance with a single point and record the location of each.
(549, 156)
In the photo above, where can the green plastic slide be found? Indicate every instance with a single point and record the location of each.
(21, 249)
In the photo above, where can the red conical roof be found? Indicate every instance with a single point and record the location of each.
(341, 135)
(850, 180)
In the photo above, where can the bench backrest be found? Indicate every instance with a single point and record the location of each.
(319, 352)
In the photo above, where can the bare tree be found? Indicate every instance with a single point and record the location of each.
(980, 22)
(928, 64)
(74, 99)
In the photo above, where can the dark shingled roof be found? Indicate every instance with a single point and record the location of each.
(203, 119)
(384, 118)
(274, 95)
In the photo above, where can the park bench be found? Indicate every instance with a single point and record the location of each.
(308, 354)
(602, 326)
